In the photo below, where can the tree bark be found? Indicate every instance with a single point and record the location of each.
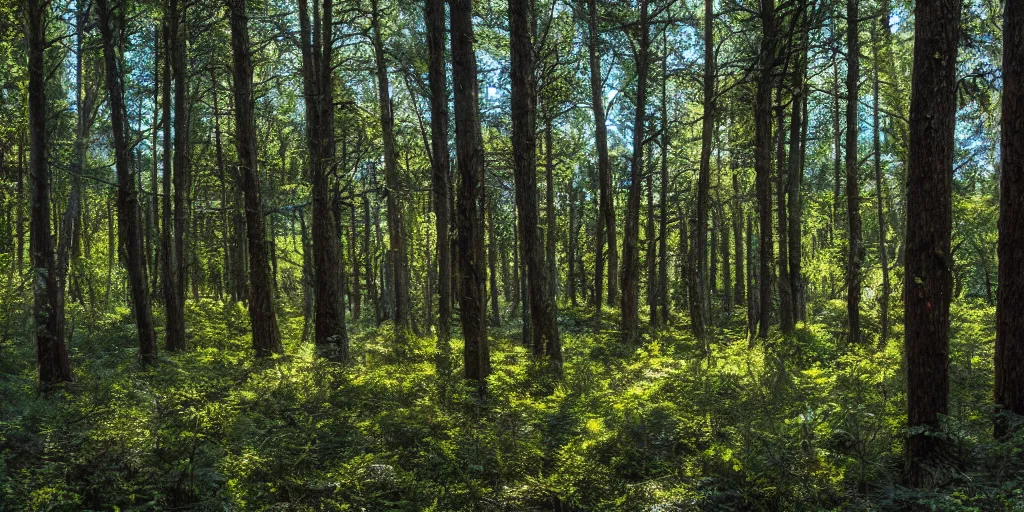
(396, 237)
(175, 298)
(883, 253)
(524, 106)
(266, 339)
(1009, 362)
(699, 305)
(855, 256)
(128, 210)
(630, 247)
(606, 207)
(51, 352)
(929, 227)
(469, 218)
(763, 161)
(440, 164)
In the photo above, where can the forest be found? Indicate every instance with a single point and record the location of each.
(512, 255)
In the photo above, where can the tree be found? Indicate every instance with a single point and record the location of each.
(763, 159)
(606, 209)
(51, 352)
(524, 144)
(699, 292)
(317, 68)
(440, 164)
(266, 339)
(397, 255)
(929, 225)
(469, 215)
(630, 248)
(855, 255)
(1009, 363)
(175, 296)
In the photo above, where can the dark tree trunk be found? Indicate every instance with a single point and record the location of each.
(317, 59)
(699, 304)
(855, 256)
(1010, 311)
(550, 254)
(786, 323)
(524, 106)
(440, 165)
(166, 233)
(630, 247)
(49, 325)
(794, 182)
(763, 162)
(492, 260)
(650, 251)
(606, 207)
(266, 339)
(929, 227)
(129, 224)
(396, 237)
(883, 253)
(737, 228)
(469, 218)
(662, 284)
(175, 298)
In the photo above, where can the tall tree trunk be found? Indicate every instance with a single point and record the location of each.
(317, 60)
(699, 292)
(786, 323)
(524, 144)
(763, 161)
(1009, 362)
(550, 253)
(795, 180)
(469, 219)
(606, 209)
(48, 317)
(266, 339)
(929, 228)
(440, 164)
(630, 247)
(396, 236)
(492, 259)
(650, 250)
(855, 256)
(166, 256)
(883, 253)
(128, 210)
(175, 299)
(663, 223)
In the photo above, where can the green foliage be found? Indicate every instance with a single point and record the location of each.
(804, 423)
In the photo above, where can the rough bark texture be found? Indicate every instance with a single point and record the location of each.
(1010, 311)
(883, 253)
(630, 248)
(440, 164)
(737, 229)
(929, 225)
(266, 339)
(699, 291)
(398, 256)
(524, 145)
(794, 182)
(469, 219)
(786, 323)
(50, 350)
(175, 296)
(855, 256)
(128, 221)
(763, 162)
(317, 55)
(606, 208)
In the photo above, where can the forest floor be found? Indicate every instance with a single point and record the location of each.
(804, 423)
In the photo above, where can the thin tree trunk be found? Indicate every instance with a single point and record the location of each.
(786, 322)
(883, 253)
(440, 164)
(630, 247)
(129, 223)
(396, 235)
(699, 293)
(855, 256)
(794, 182)
(606, 209)
(175, 299)
(763, 161)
